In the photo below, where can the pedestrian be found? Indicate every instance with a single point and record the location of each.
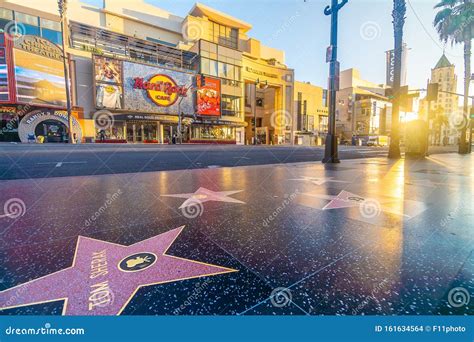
(173, 140)
(102, 135)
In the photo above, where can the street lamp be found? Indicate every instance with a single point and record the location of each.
(62, 8)
(254, 100)
(330, 153)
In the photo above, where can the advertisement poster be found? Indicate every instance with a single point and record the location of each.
(39, 79)
(4, 94)
(209, 97)
(150, 89)
(108, 78)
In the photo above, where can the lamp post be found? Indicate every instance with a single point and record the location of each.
(330, 153)
(62, 8)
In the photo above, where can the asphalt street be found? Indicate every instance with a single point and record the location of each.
(43, 161)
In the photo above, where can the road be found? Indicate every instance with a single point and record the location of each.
(44, 161)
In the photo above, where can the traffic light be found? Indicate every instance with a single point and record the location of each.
(432, 93)
(201, 80)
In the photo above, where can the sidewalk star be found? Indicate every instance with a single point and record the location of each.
(205, 195)
(105, 276)
(345, 199)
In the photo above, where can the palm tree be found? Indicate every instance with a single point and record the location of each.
(454, 24)
(398, 15)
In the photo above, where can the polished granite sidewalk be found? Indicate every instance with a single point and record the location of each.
(367, 236)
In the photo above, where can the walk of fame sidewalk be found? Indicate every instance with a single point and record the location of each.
(366, 236)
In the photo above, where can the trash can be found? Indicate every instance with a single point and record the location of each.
(416, 139)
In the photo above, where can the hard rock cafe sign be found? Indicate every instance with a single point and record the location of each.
(161, 89)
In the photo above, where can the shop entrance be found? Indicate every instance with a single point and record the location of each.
(168, 132)
(52, 130)
(138, 132)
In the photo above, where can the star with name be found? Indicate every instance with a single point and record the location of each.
(346, 199)
(318, 180)
(203, 195)
(105, 276)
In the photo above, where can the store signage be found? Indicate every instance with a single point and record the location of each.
(261, 72)
(161, 89)
(39, 46)
(31, 120)
(149, 89)
(209, 97)
(10, 110)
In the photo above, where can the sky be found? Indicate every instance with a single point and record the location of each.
(301, 29)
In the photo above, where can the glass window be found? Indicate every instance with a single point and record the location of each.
(26, 19)
(32, 30)
(230, 71)
(3, 23)
(50, 25)
(6, 14)
(213, 68)
(205, 66)
(51, 35)
(222, 70)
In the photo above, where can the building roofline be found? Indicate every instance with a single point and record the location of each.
(218, 16)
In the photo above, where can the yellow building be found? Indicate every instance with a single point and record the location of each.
(311, 113)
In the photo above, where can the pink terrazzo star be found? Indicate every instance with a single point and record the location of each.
(105, 276)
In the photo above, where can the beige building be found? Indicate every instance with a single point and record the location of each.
(362, 108)
(311, 113)
(442, 131)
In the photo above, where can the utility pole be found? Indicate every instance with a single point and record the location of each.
(330, 152)
(62, 8)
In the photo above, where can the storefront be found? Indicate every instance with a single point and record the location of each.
(32, 91)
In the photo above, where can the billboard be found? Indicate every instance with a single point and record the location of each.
(390, 66)
(39, 72)
(152, 89)
(209, 97)
(108, 83)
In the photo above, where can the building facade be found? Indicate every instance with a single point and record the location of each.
(441, 131)
(362, 109)
(148, 75)
(311, 114)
